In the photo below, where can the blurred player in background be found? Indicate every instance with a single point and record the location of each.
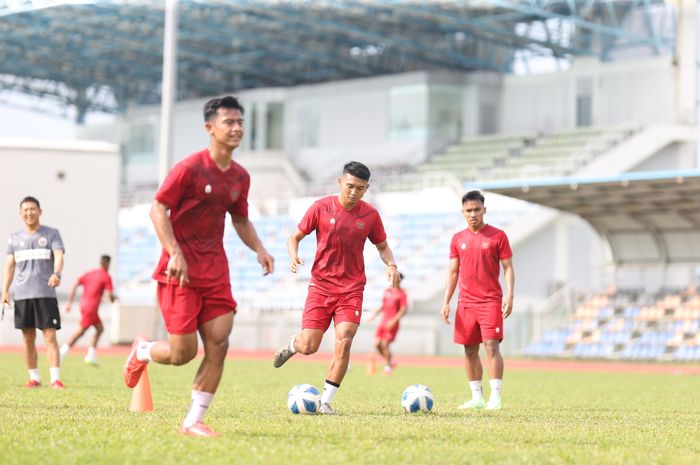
(33, 266)
(94, 283)
(393, 308)
(342, 223)
(194, 288)
(476, 255)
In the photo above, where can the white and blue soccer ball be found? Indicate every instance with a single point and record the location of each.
(417, 398)
(304, 399)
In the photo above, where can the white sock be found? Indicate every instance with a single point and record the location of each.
(143, 351)
(55, 373)
(34, 375)
(329, 390)
(198, 407)
(495, 389)
(291, 345)
(64, 350)
(91, 354)
(477, 392)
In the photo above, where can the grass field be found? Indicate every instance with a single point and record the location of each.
(548, 418)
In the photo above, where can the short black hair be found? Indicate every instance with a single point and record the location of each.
(473, 195)
(105, 259)
(29, 198)
(213, 105)
(357, 169)
(401, 276)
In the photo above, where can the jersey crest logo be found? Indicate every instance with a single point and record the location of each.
(43, 242)
(234, 194)
(207, 189)
(463, 246)
(360, 225)
(485, 245)
(332, 221)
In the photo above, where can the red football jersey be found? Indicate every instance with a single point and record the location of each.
(479, 256)
(198, 194)
(393, 300)
(339, 266)
(94, 283)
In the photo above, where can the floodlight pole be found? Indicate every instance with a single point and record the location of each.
(168, 89)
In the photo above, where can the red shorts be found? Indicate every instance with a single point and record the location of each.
(320, 309)
(475, 324)
(386, 334)
(186, 309)
(89, 318)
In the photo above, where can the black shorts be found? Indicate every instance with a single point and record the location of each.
(37, 313)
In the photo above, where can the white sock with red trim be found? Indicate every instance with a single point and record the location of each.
(198, 407)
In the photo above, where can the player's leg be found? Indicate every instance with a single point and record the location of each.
(65, 348)
(53, 357)
(215, 336)
(180, 308)
(344, 334)
(91, 357)
(495, 369)
(388, 356)
(315, 322)
(467, 333)
(31, 357)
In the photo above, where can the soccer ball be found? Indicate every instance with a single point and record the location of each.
(417, 398)
(304, 399)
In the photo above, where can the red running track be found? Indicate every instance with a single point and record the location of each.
(692, 369)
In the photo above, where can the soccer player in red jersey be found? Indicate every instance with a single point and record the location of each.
(393, 308)
(342, 223)
(476, 255)
(194, 288)
(94, 283)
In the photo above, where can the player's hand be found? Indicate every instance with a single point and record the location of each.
(68, 308)
(267, 262)
(389, 325)
(392, 275)
(295, 263)
(5, 298)
(445, 313)
(54, 280)
(507, 306)
(177, 269)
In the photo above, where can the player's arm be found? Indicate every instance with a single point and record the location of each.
(112, 296)
(509, 277)
(387, 256)
(293, 250)
(71, 296)
(450, 286)
(374, 313)
(394, 321)
(177, 266)
(7, 278)
(55, 278)
(246, 231)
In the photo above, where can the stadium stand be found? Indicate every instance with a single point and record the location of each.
(496, 157)
(628, 326)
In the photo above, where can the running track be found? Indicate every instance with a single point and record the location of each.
(457, 362)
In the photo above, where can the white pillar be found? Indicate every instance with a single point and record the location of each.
(169, 88)
(686, 58)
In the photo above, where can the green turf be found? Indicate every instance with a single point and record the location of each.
(576, 418)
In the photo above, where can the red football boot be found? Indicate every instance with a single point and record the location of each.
(133, 367)
(198, 430)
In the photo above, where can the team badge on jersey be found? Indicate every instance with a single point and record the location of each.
(463, 246)
(207, 189)
(332, 220)
(234, 194)
(360, 225)
(43, 242)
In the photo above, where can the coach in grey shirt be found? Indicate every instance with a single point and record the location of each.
(35, 261)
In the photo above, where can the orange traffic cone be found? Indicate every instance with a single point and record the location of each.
(141, 399)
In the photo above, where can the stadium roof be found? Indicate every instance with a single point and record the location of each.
(103, 55)
(646, 217)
